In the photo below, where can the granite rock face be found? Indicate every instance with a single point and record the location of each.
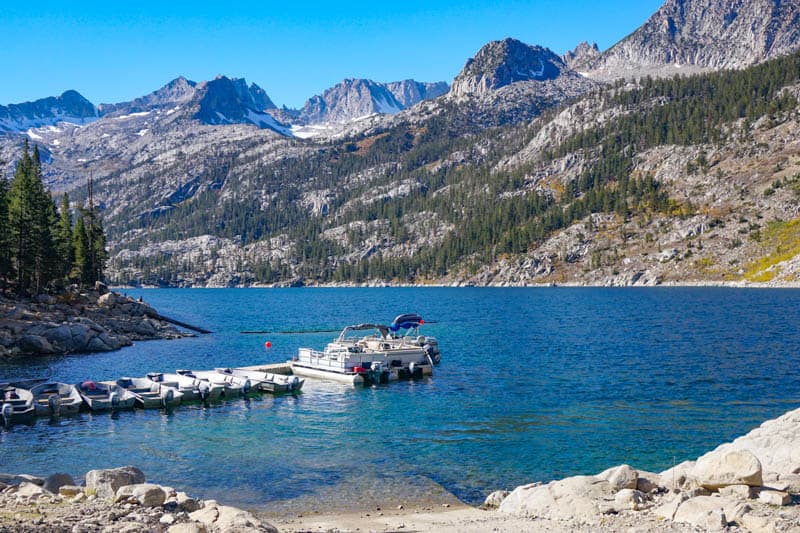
(357, 98)
(710, 34)
(501, 63)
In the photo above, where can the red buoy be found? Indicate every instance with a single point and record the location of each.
(421, 322)
(267, 345)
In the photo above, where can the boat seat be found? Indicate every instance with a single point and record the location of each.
(16, 401)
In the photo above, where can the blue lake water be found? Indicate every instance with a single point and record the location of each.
(534, 384)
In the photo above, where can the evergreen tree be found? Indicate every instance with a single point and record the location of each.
(5, 244)
(80, 241)
(21, 216)
(63, 238)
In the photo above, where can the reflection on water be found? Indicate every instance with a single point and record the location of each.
(534, 384)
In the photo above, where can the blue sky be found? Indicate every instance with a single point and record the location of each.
(113, 53)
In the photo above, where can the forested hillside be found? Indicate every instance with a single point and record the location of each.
(429, 199)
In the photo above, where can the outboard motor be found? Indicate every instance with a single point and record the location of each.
(293, 382)
(54, 403)
(6, 413)
(114, 397)
(247, 387)
(433, 353)
(204, 389)
(166, 400)
(374, 372)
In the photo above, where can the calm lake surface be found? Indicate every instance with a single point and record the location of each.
(534, 384)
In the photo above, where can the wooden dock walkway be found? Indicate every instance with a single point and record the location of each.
(273, 368)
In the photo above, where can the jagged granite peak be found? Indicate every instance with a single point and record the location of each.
(177, 92)
(582, 56)
(411, 92)
(706, 34)
(230, 101)
(253, 95)
(501, 63)
(71, 106)
(354, 98)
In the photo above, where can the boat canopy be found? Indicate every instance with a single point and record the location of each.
(361, 327)
(406, 321)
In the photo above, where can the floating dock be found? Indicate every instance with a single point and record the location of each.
(284, 369)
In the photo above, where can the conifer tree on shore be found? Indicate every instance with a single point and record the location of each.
(40, 247)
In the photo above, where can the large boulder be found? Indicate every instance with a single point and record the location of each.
(224, 519)
(620, 477)
(732, 467)
(711, 513)
(496, 498)
(582, 497)
(29, 490)
(629, 499)
(233, 520)
(107, 300)
(54, 482)
(105, 483)
(35, 344)
(774, 443)
(145, 494)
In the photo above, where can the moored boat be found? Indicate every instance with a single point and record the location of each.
(191, 387)
(103, 397)
(56, 399)
(17, 404)
(233, 386)
(149, 394)
(265, 381)
(404, 330)
(359, 359)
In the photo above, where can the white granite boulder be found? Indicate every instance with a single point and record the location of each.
(581, 497)
(730, 467)
(496, 498)
(105, 483)
(145, 494)
(629, 499)
(224, 519)
(774, 497)
(620, 477)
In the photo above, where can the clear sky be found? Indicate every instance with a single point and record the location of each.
(116, 51)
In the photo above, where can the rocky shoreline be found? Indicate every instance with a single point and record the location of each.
(78, 321)
(750, 484)
(115, 500)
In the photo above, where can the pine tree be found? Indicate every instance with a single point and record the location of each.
(21, 221)
(80, 243)
(5, 244)
(99, 253)
(63, 238)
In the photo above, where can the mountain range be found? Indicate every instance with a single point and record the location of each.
(523, 170)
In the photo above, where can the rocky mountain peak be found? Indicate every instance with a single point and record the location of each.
(354, 98)
(177, 92)
(501, 63)
(712, 34)
(71, 106)
(583, 55)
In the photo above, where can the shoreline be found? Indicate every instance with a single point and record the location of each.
(749, 484)
(572, 285)
(78, 321)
